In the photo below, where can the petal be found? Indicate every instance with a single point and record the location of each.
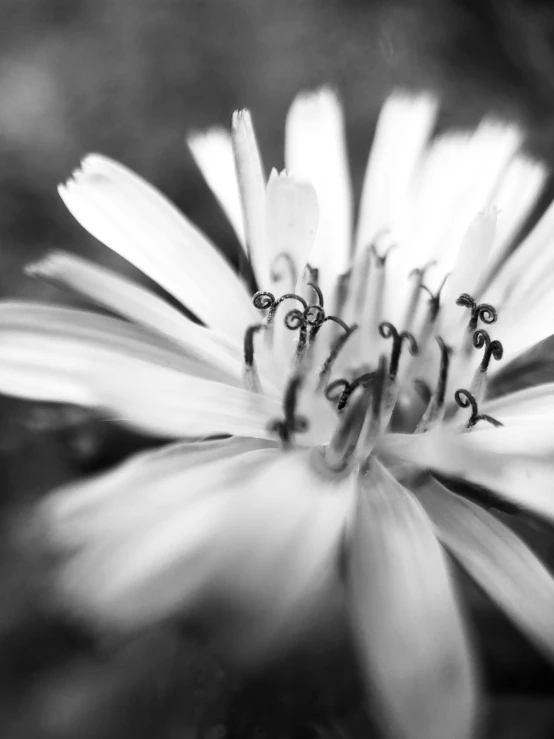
(213, 153)
(403, 129)
(65, 355)
(139, 223)
(292, 217)
(499, 561)
(315, 150)
(535, 401)
(253, 531)
(408, 626)
(251, 181)
(525, 480)
(136, 303)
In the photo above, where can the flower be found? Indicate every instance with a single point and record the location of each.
(345, 425)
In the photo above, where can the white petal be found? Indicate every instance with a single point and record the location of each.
(470, 262)
(497, 559)
(532, 401)
(526, 481)
(403, 129)
(139, 223)
(213, 152)
(408, 627)
(254, 531)
(251, 181)
(65, 355)
(315, 150)
(138, 304)
(292, 218)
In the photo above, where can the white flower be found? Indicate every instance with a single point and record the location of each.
(338, 407)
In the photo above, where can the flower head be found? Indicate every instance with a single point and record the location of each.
(353, 386)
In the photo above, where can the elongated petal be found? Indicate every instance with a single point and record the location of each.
(533, 401)
(315, 150)
(139, 223)
(292, 218)
(213, 152)
(409, 630)
(65, 355)
(403, 129)
(523, 479)
(132, 301)
(497, 559)
(253, 530)
(251, 181)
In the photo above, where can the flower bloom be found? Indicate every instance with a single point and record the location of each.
(352, 382)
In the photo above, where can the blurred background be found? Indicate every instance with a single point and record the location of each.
(128, 78)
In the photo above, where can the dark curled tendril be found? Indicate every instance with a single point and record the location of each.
(317, 291)
(334, 353)
(348, 388)
(314, 315)
(295, 319)
(263, 300)
(466, 400)
(479, 311)
(435, 298)
(387, 330)
(291, 423)
(493, 349)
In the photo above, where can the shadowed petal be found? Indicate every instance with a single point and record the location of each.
(135, 220)
(410, 633)
(497, 559)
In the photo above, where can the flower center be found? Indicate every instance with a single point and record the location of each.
(368, 396)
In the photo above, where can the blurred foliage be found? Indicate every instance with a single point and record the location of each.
(128, 78)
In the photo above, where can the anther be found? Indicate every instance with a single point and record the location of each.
(436, 406)
(479, 311)
(435, 299)
(387, 330)
(335, 351)
(493, 349)
(291, 423)
(465, 399)
(347, 388)
(251, 377)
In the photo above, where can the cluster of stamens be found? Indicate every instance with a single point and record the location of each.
(374, 388)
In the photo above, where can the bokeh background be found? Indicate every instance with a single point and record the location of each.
(128, 78)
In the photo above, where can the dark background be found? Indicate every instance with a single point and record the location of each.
(128, 78)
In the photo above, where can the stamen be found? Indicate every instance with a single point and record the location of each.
(291, 423)
(380, 409)
(435, 300)
(465, 399)
(286, 257)
(335, 351)
(493, 348)
(341, 398)
(342, 447)
(387, 330)
(419, 274)
(251, 376)
(482, 311)
(265, 300)
(436, 407)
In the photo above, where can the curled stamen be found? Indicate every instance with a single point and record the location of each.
(314, 315)
(465, 399)
(286, 257)
(435, 408)
(348, 388)
(381, 259)
(492, 348)
(291, 423)
(251, 376)
(435, 299)
(318, 292)
(263, 300)
(482, 311)
(334, 353)
(387, 330)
